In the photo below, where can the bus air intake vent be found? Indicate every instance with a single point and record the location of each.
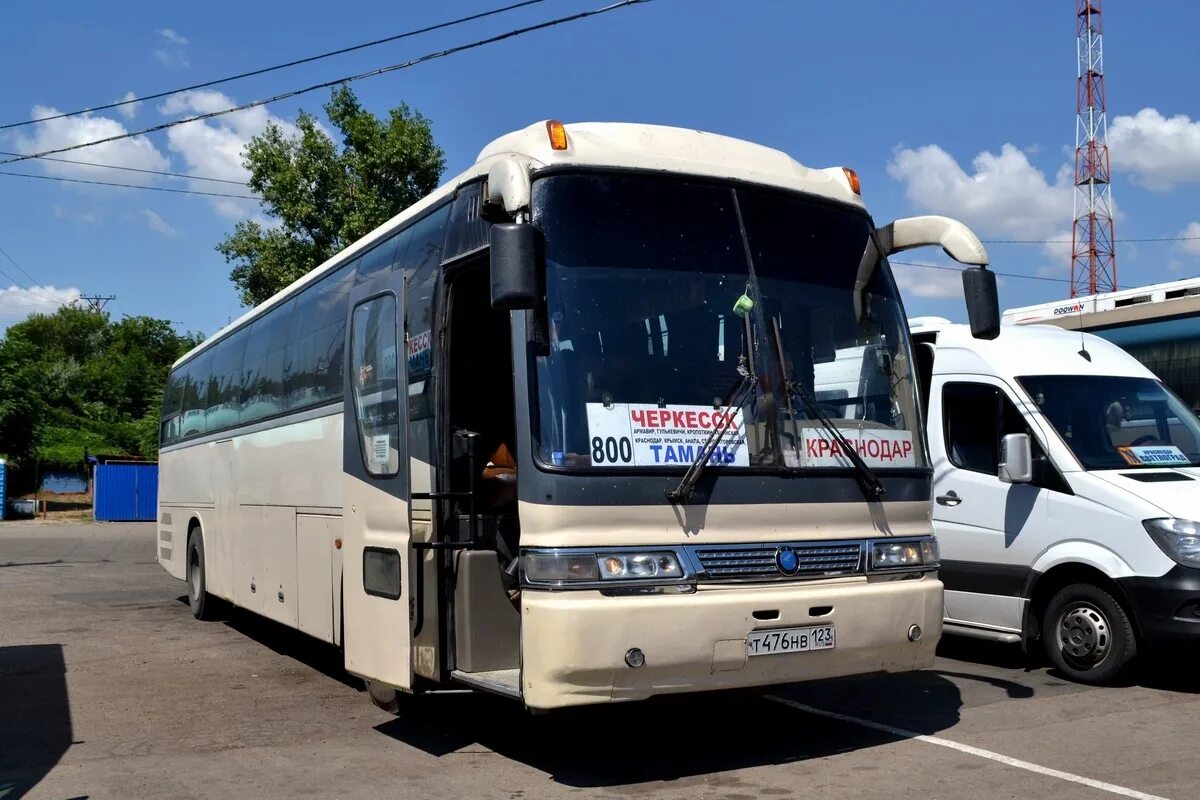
(762, 562)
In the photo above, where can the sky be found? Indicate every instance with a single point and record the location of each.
(961, 109)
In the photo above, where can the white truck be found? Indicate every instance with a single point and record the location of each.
(1066, 501)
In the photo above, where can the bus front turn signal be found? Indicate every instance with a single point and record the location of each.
(558, 135)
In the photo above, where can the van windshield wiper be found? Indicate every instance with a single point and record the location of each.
(870, 482)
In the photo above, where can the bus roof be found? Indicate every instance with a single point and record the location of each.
(1142, 302)
(618, 145)
(1025, 350)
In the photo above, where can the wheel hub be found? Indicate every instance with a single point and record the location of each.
(1083, 634)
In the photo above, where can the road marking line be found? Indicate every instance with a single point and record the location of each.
(966, 748)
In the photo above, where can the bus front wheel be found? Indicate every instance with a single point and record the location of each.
(384, 697)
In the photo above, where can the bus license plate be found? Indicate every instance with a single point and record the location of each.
(789, 640)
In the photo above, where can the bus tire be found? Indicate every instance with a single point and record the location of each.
(384, 697)
(203, 605)
(1087, 634)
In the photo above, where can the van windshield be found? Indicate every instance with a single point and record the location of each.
(667, 294)
(1118, 422)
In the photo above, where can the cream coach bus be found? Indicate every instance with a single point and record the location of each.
(559, 431)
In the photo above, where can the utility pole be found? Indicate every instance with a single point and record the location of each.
(97, 302)
(1093, 255)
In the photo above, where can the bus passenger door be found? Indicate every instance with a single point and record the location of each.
(376, 554)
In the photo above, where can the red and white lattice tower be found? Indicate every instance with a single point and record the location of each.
(1093, 257)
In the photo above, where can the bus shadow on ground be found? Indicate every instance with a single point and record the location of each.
(680, 737)
(289, 642)
(35, 715)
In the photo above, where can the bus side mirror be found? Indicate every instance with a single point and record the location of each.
(960, 243)
(983, 304)
(1016, 459)
(515, 256)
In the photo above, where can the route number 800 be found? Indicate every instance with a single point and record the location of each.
(612, 450)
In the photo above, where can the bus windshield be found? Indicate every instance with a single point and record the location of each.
(1113, 422)
(666, 295)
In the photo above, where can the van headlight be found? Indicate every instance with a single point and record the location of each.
(910, 554)
(564, 567)
(1178, 538)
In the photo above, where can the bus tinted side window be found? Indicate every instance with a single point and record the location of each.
(172, 398)
(316, 343)
(224, 401)
(194, 408)
(263, 370)
(425, 248)
(378, 259)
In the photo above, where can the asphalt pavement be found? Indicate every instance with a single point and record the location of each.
(110, 689)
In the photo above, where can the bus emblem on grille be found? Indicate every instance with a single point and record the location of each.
(786, 561)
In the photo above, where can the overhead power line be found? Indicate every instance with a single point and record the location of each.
(125, 185)
(1002, 274)
(265, 70)
(34, 287)
(135, 169)
(326, 84)
(1068, 241)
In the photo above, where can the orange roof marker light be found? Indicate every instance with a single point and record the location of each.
(558, 135)
(852, 176)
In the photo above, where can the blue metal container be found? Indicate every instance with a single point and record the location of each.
(126, 492)
(3, 487)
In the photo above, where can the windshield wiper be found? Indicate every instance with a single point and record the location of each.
(869, 480)
(734, 400)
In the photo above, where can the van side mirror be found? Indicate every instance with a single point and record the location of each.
(515, 258)
(1016, 459)
(983, 304)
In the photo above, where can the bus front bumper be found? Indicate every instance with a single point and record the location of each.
(574, 644)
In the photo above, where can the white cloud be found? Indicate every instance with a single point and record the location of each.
(213, 148)
(928, 280)
(157, 224)
(171, 36)
(172, 49)
(127, 111)
(137, 152)
(1058, 249)
(1191, 245)
(1005, 195)
(16, 303)
(1159, 151)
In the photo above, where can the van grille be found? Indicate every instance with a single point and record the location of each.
(757, 561)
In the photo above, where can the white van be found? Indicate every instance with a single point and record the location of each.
(1066, 494)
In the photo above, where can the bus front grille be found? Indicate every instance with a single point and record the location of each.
(761, 562)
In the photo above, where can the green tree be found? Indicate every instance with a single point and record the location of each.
(325, 197)
(75, 379)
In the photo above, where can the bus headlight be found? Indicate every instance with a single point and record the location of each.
(624, 566)
(913, 554)
(586, 567)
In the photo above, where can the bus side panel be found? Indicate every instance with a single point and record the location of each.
(315, 537)
(185, 493)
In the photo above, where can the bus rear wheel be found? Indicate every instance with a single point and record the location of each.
(1088, 635)
(203, 605)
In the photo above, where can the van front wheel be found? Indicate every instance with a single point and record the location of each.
(1087, 634)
